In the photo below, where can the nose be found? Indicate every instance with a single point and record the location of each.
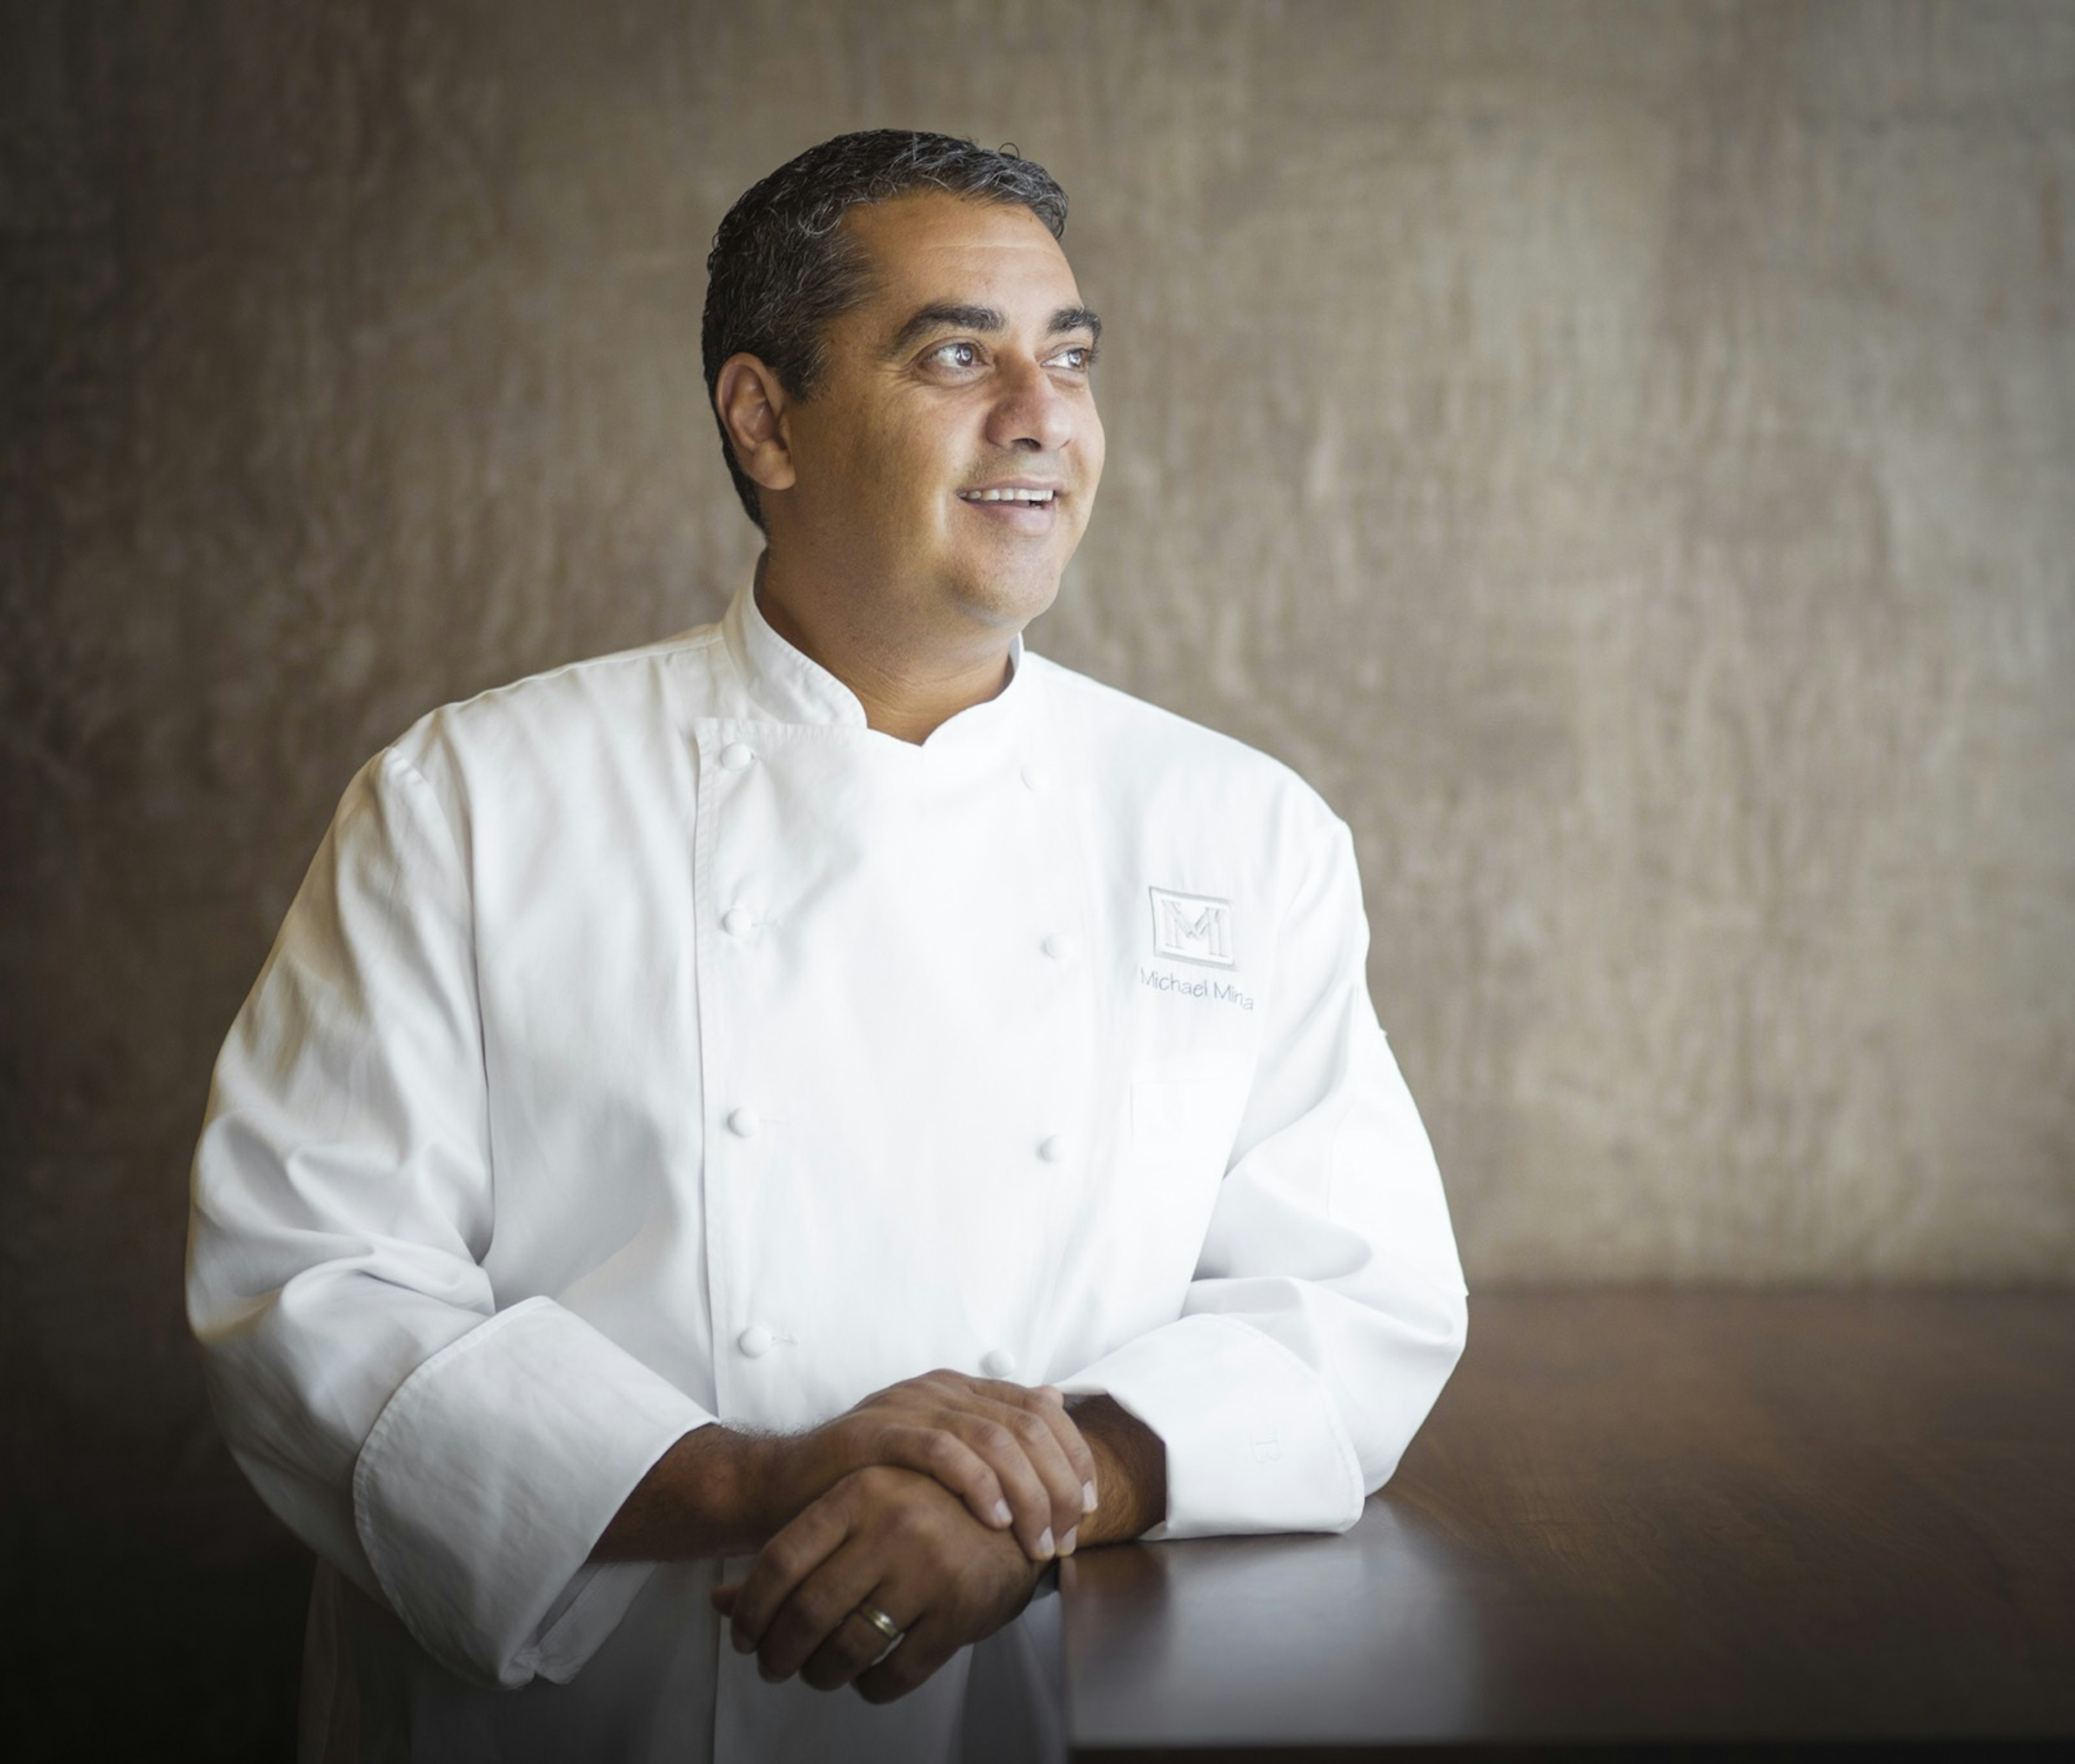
(1032, 413)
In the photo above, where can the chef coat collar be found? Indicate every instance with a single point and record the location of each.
(793, 688)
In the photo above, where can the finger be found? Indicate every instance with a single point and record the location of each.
(935, 1392)
(1044, 1433)
(1051, 1405)
(1020, 1435)
(782, 1564)
(819, 1609)
(1084, 1457)
(997, 1434)
(927, 1646)
(948, 1460)
(855, 1643)
(724, 1596)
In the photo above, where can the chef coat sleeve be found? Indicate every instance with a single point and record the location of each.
(1328, 1307)
(457, 1461)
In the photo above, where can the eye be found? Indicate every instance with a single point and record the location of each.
(1076, 360)
(955, 355)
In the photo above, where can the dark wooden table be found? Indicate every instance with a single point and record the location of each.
(1664, 1520)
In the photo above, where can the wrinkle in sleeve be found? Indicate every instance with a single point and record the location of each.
(1328, 1308)
(457, 1461)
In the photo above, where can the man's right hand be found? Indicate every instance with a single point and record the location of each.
(1011, 1454)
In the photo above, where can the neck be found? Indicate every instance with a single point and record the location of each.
(910, 676)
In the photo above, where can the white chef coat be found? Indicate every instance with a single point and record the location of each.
(653, 1042)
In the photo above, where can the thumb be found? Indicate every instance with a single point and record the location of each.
(724, 1596)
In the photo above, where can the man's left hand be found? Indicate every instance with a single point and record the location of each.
(893, 1540)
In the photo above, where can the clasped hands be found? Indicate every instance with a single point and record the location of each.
(938, 1503)
(964, 1489)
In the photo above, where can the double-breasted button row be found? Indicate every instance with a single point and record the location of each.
(756, 1338)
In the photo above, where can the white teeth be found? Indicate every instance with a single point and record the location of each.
(1006, 495)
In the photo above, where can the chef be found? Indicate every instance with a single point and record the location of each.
(746, 1151)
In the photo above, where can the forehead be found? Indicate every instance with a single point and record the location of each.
(934, 248)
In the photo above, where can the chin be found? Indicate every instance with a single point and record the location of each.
(1007, 599)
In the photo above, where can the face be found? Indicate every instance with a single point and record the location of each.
(947, 460)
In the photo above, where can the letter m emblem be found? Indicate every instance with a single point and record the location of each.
(1192, 928)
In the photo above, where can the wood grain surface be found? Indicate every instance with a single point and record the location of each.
(1646, 1520)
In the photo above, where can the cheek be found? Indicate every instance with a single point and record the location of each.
(901, 496)
(1095, 447)
(879, 512)
(904, 463)
(1089, 440)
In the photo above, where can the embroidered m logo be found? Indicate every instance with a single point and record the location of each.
(1192, 928)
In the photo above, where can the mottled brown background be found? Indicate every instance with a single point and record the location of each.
(1623, 453)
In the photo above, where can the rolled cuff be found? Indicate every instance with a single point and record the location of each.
(1254, 1443)
(490, 1475)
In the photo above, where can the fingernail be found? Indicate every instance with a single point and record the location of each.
(1088, 1497)
(1045, 1544)
(1002, 1515)
(1066, 1543)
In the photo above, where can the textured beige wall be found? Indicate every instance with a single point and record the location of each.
(1625, 454)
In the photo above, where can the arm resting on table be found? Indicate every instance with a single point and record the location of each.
(1328, 1308)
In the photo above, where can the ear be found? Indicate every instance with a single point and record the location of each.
(751, 406)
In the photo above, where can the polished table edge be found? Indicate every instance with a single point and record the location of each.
(1790, 1441)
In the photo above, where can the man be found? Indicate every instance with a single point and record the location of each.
(829, 1094)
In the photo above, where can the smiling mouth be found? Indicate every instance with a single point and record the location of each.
(1034, 499)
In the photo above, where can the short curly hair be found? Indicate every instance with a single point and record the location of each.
(782, 267)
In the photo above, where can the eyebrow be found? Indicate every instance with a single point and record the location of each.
(1076, 318)
(945, 316)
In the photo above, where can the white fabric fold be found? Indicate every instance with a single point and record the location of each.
(490, 1477)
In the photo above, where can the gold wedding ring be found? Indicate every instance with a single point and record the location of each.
(880, 1620)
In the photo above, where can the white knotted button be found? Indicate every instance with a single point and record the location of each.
(738, 921)
(736, 757)
(1058, 946)
(1052, 1149)
(755, 1341)
(997, 1363)
(743, 1124)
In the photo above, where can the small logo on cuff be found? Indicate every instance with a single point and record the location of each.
(1192, 928)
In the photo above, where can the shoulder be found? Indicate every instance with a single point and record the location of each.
(568, 728)
(1154, 760)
